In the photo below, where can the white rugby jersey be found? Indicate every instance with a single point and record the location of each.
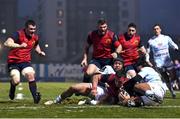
(107, 69)
(159, 45)
(149, 75)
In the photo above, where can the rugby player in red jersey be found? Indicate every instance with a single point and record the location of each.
(131, 46)
(21, 44)
(105, 48)
(98, 93)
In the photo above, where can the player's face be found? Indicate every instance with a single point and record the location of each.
(102, 28)
(157, 30)
(131, 31)
(117, 65)
(30, 30)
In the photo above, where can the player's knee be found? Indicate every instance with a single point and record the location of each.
(91, 70)
(131, 73)
(73, 88)
(15, 76)
(29, 73)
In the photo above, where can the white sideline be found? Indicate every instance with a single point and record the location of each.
(89, 106)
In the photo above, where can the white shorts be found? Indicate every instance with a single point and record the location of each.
(101, 91)
(158, 90)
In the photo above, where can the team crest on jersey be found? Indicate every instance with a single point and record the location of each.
(108, 41)
(136, 42)
(33, 42)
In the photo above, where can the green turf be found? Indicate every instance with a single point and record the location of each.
(69, 109)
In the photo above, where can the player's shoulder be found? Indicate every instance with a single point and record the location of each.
(148, 69)
(166, 36)
(152, 39)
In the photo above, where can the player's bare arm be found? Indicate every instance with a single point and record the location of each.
(11, 44)
(146, 53)
(117, 52)
(39, 51)
(85, 55)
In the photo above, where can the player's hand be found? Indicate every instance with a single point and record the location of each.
(84, 63)
(114, 55)
(23, 45)
(93, 92)
(149, 63)
(42, 53)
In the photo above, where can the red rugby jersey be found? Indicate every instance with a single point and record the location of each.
(102, 45)
(131, 54)
(114, 83)
(19, 55)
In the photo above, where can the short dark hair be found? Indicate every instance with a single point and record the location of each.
(101, 21)
(30, 22)
(156, 25)
(132, 25)
(141, 61)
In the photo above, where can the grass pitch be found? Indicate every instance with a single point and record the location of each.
(25, 108)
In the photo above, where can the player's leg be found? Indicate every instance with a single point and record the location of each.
(92, 68)
(172, 78)
(142, 88)
(167, 80)
(15, 79)
(29, 73)
(101, 96)
(130, 71)
(152, 93)
(80, 88)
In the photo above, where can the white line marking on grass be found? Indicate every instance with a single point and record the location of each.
(115, 106)
(22, 107)
(85, 106)
(165, 106)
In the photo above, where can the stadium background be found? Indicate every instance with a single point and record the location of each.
(64, 25)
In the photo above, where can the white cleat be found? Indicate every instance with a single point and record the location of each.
(82, 102)
(50, 102)
(94, 102)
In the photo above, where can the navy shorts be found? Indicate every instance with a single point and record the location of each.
(130, 67)
(101, 62)
(18, 66)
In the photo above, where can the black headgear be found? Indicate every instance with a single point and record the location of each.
(121, 72)
(118, 59)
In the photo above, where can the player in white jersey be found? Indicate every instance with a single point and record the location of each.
(159, 45)
(150, 89)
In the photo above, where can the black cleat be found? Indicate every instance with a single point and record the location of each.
(174, 96)
(12, 92)
(37, 98)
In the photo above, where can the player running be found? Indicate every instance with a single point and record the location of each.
(131, 47)
(105, 48)
(21, 44)
(159, 45)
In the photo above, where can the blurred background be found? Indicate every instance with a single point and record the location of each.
(63, 26)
